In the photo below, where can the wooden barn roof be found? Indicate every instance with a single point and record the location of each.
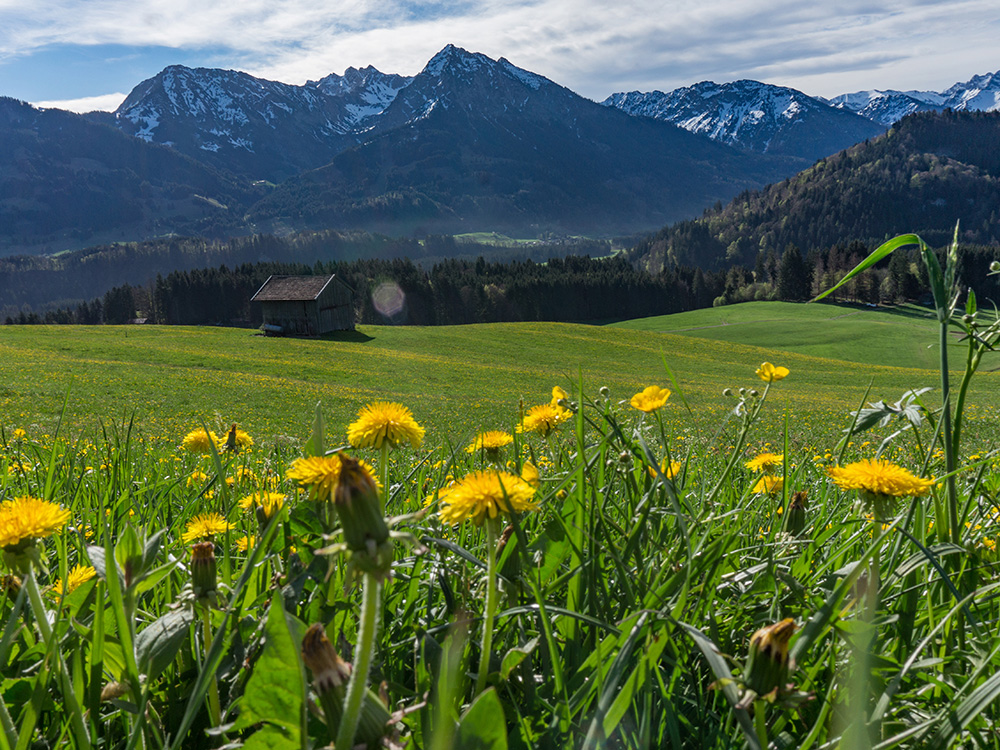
(291, 288)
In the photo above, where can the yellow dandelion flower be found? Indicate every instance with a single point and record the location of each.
(485, 494)
(26, 518)
(384, 422)
(205, 526)
(669, 469)
(493, 440)
(769, 373)
(650, 399)
(317, 474)
(879, 483)
(269, 502)
(768, 485)
(529, 473)
(543, 419)
(18, 433)
(199, 441)
(879, 478)
(558, 394)
(245, 543)
(74, 579)
(765, 462)
(197, 477)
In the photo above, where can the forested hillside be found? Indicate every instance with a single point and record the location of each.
(926, 173)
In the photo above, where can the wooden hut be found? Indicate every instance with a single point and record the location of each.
(305, 305)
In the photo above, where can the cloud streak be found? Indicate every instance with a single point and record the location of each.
(591, 46)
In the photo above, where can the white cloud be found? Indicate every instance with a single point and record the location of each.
(103, 103)
(591, 46)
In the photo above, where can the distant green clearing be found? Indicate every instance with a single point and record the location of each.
(905, 336)
(460, 379)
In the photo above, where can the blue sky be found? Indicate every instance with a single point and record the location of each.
(59, 52)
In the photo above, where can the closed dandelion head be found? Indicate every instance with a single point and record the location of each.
(544, 418)
(765, 462)
(384, 422)
(767, 667)
(237, 439)
(795, 518)
(650, 399)
(200, 441)
(485, 494)
(204, 579)
(328, 669)
(318, 475)
(769, 373)
(205, 526)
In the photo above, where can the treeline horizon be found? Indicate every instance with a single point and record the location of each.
(569, 289)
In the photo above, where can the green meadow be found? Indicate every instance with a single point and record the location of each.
(465, 378)
(721, 566)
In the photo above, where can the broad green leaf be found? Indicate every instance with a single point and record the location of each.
(158, 643)
(513, 658)
(276, 691)
(482, 726)
(272, 737)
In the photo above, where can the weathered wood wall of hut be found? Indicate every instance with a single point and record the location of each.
(336, 308)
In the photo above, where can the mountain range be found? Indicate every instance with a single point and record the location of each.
(468, 144)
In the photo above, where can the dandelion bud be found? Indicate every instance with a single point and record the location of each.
(10, 584)
(727, 392)
(330, 676)
(767, 665)
(995, 266)
(365, 532)
(742, 392)
(203, 574)
(795, 519)
(754, 393)
(605, 391)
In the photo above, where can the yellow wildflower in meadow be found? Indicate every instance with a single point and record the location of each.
(879, 478)
(544, 418)
(769, 485)
(199, 441)
(490, 441)
(765, 462)
(384, 422)
(74, 580)
(880, 483)
(268, 502)
(769, 373)
(669, 469)
(558, 394)
(650, 399)
(27, 518)
(485, 494)
(318, 475)
(205, 526)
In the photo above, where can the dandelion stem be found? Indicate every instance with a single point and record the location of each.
(491, 604)
(214, 705)
(370, 598)
(80, 733)
(384, 494)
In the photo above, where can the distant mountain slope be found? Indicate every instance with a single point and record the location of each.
(258, 128)
(753, 115)
(979, 94)
(65, 180)
(928, 172)
(475, 143)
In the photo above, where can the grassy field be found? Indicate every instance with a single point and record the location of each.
(905, 336)
(618, 572)
(460, 378)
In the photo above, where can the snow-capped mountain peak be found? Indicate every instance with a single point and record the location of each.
(751, 115)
